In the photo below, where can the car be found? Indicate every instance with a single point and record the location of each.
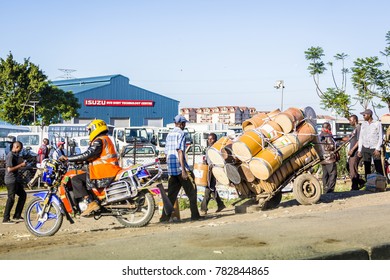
(194, 154)
(142, 153)
(81, 144)
(5, 143)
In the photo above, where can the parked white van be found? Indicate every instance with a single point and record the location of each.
(124, 136)
(31, 140)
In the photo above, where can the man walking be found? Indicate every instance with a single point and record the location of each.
(43, 151)
(178, 169)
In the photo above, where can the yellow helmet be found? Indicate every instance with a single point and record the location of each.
(96, 127)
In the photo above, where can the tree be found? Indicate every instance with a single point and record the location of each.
(21, 83)
(334, 98)
(366, 79)
(384, 88)
(384, 84)
(386, 51)
(316, 66)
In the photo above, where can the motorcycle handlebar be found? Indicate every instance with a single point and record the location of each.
(76, 165)
(152, 164)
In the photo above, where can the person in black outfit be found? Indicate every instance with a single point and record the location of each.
(329, 167)
(353, 158)
(211, 190)
(14, 184)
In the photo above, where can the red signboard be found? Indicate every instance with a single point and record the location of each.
(120, 103)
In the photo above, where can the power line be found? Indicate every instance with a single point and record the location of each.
(67, 74)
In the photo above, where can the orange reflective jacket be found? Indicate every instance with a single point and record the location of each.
(107, 165)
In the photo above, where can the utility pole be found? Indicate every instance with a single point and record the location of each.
(279, 84)
(34, 105)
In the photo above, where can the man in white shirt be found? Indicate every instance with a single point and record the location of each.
(370, 142)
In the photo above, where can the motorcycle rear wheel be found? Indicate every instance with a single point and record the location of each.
(48, 224)
(140, 216)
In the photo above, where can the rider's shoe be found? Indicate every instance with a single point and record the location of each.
(92, 206)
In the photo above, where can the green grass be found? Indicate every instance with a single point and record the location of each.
(185, 204)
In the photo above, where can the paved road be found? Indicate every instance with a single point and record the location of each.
(340, 222)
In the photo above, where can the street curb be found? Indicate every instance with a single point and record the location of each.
(380, 252)
(352, 254)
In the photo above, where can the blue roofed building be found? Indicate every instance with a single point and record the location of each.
(113, 99)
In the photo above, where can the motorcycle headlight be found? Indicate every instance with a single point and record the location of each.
(48, 176)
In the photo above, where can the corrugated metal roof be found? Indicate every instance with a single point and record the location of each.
(83, 84)
(118, 87)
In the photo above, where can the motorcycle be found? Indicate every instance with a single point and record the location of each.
(130, 198)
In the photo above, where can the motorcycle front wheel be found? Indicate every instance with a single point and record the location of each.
(142, 212)
(42, 224)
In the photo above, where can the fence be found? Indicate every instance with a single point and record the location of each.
(139, 154)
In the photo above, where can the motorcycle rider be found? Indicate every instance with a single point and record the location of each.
(102, 161)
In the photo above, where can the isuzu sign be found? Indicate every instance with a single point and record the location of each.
(120, 103)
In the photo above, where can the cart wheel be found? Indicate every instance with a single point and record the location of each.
(307, 189)
(273, 202)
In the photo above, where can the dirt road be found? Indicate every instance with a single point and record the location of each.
(340, 221)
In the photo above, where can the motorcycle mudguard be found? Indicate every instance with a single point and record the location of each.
(53, 199)
(65, 199)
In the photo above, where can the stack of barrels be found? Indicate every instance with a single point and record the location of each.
(272, 147)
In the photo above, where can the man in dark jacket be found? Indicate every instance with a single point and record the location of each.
(329, 167)
(353, 158)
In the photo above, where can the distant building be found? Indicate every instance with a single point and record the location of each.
(113, 99)
(230, 115)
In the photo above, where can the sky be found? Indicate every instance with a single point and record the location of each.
(201, 53)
